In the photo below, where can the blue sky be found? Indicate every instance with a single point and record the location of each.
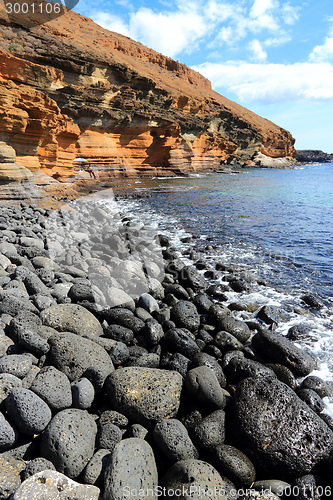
(274, 57)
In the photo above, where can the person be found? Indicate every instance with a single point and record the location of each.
(91, 172)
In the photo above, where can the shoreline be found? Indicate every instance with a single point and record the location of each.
(220, 397)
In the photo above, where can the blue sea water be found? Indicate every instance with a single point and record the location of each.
(275, 226)
(280, 220)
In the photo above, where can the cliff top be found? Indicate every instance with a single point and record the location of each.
(80, 37)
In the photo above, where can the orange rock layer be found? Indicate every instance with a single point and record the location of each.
(70, 88)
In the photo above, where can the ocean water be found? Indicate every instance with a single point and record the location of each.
(275, 226)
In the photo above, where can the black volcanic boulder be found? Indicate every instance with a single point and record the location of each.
(282, 350)
(278, 430)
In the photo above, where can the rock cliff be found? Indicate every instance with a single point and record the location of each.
(314, 156)
(71, 88)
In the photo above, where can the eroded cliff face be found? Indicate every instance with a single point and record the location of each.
(70, 88)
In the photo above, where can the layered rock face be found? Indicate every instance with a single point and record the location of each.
(71, 88)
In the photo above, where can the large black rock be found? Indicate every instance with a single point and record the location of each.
(278, 430)
(282, 350)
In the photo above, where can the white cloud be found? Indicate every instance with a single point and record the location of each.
(181, 27)
(323, 52)
(112, 23)
(258, 53)
(168, 33)
(290, 14)
(270, 83)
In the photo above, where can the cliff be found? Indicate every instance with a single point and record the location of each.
(314, 156)
(71, 88)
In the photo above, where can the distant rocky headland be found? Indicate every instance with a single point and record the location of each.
(71, 88)
(314, 156)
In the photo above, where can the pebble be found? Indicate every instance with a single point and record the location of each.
(76, 357)
(201, 477)
(15, 364)
(69, 441)
(172, 438)
(71, 318)
(156, 394)
(83, 393)
(202, 384)
(52, 485)
(234, 464)
(185, 315)
(131, 467)
(9, 479)
(53, 387)
(8, 435)
(27, 411)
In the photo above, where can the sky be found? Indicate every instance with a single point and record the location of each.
(275, 57)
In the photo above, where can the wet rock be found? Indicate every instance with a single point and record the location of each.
(299, 332)
(312, 301)
(9, 478)
(172, 438)
(71, 318)
(202, 384)
(190, 277)
(285, 436)
(269, 315)
(199, 476)
(29, 413)
(210, 431)
(217, 313)
(202, 302)
(317, 385)
(178, 291)
(227, 342)
(15, 364)
(156, 395)
(235, 327)
(83, 393)
(178, 340)
(312, 399)
(239, 285)
(153, 331)
(281, 350)
(234, 464)
(131, 467)
(53, 485)
(36, 465)
(185, 315)
(69, 441)
(76, 357)
(283, 374)
(53, 387)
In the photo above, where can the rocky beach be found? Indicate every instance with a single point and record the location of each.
(123, 373)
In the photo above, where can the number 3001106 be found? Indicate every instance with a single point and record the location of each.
(33, 8)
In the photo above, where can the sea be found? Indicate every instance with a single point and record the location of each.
(274, 226)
